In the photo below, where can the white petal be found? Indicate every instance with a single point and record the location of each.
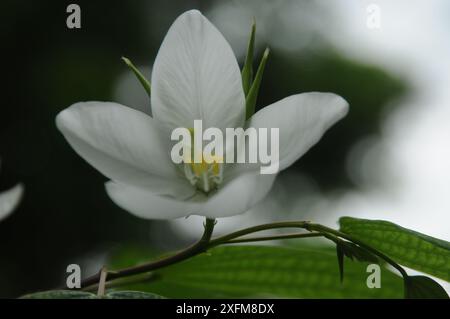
(142, 203)
(196, 76)
(238, 196)
(123, 144)
(9, 200)
(302, 119)
(235, 198)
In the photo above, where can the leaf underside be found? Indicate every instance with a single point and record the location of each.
(407, 247)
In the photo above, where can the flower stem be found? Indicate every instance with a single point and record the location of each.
(199, 247)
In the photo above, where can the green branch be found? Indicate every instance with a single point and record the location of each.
(224, 239)
(205, 243)
(275, 237)
(197, 248)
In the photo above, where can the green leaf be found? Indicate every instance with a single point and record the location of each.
(407, 247)
(352, 251)
(340, 257)
(247, 70)
(60, 294)
(76, 294)
(250, 102)
(131, 295)
(246, 271)
(145, 83)
(422, 287)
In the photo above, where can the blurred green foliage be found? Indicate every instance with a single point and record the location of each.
(369, 90)
(73, 294)
(265, 271)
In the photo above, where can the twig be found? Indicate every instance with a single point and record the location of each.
(191, 251)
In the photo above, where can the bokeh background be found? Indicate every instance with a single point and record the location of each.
(388, 159)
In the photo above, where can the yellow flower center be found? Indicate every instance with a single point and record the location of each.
(205, 175)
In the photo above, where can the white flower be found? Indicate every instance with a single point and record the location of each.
(9, 200)
(195, 76)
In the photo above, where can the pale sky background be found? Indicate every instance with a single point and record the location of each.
(404, 176)
(414, 171)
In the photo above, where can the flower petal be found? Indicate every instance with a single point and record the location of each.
(142, 203)
(302, 119)
(196, 76)
(235, 198)
(9, 200)
(238, 196)
(123, 144)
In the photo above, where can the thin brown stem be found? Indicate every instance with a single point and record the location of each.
(102, 282)
(191, 251)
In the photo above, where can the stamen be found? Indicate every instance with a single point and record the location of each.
(205, 182)
(206, 175)
(189, 174)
